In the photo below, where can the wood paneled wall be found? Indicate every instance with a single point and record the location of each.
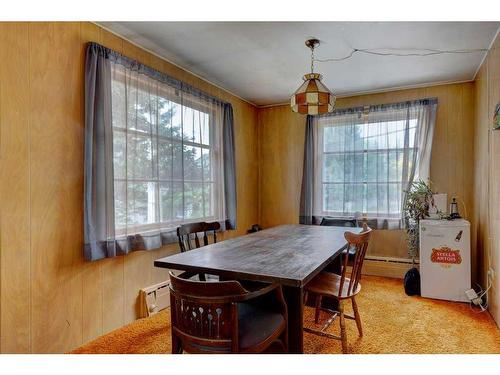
(51, 299)
(281, 149)
(487, 175)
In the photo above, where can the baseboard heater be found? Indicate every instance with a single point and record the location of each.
(386, 266)
(389, 259)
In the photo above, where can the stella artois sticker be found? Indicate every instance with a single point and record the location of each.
(446, 256)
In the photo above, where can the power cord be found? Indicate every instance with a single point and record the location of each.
(479, 300)
(429, 52)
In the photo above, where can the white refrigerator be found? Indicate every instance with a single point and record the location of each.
(445, 271)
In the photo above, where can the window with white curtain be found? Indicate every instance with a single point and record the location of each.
(167, 155)
(363, 162)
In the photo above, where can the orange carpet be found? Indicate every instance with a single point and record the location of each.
(392, 323)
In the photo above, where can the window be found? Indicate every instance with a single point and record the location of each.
(166, 156)
(158, 152)
(364, 162)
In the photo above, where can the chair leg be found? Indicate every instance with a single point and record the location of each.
(284, 340)
(318, 309)
(357, 317)
(176, 345)
(343, 332)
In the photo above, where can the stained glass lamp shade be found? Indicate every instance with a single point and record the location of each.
(312, 97)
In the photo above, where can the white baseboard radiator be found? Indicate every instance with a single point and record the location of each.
(386, 266)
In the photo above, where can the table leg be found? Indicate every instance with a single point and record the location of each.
(295, 304)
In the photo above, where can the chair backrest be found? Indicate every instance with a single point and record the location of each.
(337, 222)
(187, 233)
(204, 314)
(359, 242)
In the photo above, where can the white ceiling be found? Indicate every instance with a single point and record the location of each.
(263, 62)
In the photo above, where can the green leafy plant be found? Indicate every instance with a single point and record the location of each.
(416, 207)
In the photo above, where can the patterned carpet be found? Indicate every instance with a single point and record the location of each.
(392, 323)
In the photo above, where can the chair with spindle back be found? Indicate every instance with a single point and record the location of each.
(188, 236)
(341, 287)
(186, 233)
(342, 222)
(224, 317)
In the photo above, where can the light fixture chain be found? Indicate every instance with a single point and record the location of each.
(312, 59)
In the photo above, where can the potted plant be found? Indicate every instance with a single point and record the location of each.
(416, 207)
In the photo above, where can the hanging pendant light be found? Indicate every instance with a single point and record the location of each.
(312, 97)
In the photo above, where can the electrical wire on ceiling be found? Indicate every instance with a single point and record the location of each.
(421, 53)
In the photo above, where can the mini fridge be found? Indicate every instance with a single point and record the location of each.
(445, 271)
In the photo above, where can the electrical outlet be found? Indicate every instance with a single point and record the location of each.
(491, 273)
(471, 294)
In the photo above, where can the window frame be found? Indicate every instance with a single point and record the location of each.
(320, 180)
(215, 151)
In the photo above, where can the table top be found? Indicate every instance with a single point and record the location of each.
(287, 254)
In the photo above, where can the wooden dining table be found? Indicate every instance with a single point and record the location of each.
(290, 255)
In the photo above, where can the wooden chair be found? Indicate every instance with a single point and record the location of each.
(342, 222)
(224, 317)
(341, 287)
(187, 233)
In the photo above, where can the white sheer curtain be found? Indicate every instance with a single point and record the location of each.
(167, 147)
(366, 158)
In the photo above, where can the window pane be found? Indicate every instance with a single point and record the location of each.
(188, 124)
(371, 166)
(359, 167)
(119, 154)
(382, 198)
(382, 166)
(412, 133)
(142, 108)
(165, 154)
(334, 138)
(207, 164)
(394, 198)
(166, 199)
(177, 162)
(353, 198)
(192, 163)
(118, 112)
(177, 201)
(333, 170)
(140, 157)
(354, 139)
(199, 120)
(141, 199)
(371, 198)
(193, 200)
(377, 135)
(120, 204)
(208, 199)
(166, 110)
(205, 128)
(400, 134)
(395, 163)
(176, 124)
(392, 129)
(333, 197)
